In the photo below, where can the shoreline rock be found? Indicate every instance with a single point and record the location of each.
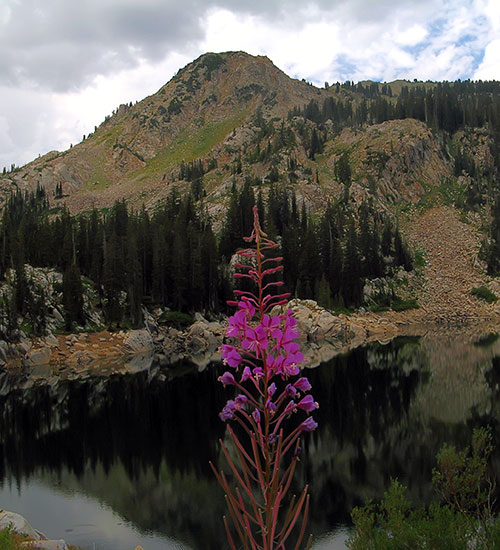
(36, 539)
(323, 335)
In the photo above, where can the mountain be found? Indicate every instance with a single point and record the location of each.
(204, 111)
(242, 116)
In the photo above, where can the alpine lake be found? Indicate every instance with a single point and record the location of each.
(108, 463)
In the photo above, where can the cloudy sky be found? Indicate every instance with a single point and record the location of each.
(66, 64)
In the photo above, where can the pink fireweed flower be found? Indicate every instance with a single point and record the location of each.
(291, 321)
(237, 324)
(270, 406)
(309, 424)
(228, 411)
(302, 384)
(240, 401)
(258, 372)
(307, 403)
(265, 347)
(247, 308)
(284, 338)
(227, 379)
(246, 375)
(231, 356)
(272, 324)
(284, 366)
(255, 339)
(296, 357)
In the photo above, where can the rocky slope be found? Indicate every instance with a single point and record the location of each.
(450, 248)
(219, 109)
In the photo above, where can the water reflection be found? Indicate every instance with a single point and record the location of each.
(140, 444)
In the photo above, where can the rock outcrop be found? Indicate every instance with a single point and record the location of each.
(35, 539)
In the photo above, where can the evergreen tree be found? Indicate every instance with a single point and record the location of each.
(113, 281)
(352, 283)
(134, 284)
(72, 297)
(401, 254)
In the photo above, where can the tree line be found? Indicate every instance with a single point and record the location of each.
(446, 106)
(172, 258)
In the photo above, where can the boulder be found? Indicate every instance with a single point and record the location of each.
(316, 324)
(19, 524)
(139, 362)
(24, 346)
(40, 356)
(138, 341)
(198, 317)
(4, 349)
(196, 345)
(202, 336)
(329, 327)
(58, 316)
(51, 341)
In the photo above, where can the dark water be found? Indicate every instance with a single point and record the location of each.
(109, 463)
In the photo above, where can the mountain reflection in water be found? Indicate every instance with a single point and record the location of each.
(140, 444)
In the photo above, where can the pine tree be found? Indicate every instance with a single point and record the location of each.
(134, 284)
(72, 298)
(352, 283)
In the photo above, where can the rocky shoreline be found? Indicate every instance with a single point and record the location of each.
(322, 336)
(35, 540)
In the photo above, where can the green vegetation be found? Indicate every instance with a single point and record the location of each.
(484, 293)
(212, 61)
(176, 319)
(398, 304)
(486, 341)
(462, 520)
(189, 145)
(452, 193)
(9, 540)
(419, 259)
(448, 192)
(394, 302)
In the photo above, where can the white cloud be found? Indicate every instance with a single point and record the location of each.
(411, 36)
(492, 12)
(490, 65)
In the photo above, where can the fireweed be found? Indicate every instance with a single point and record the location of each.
(265, 359)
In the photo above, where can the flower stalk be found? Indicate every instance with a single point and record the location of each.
(265, 359)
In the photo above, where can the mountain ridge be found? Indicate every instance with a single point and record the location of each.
(211, 109)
